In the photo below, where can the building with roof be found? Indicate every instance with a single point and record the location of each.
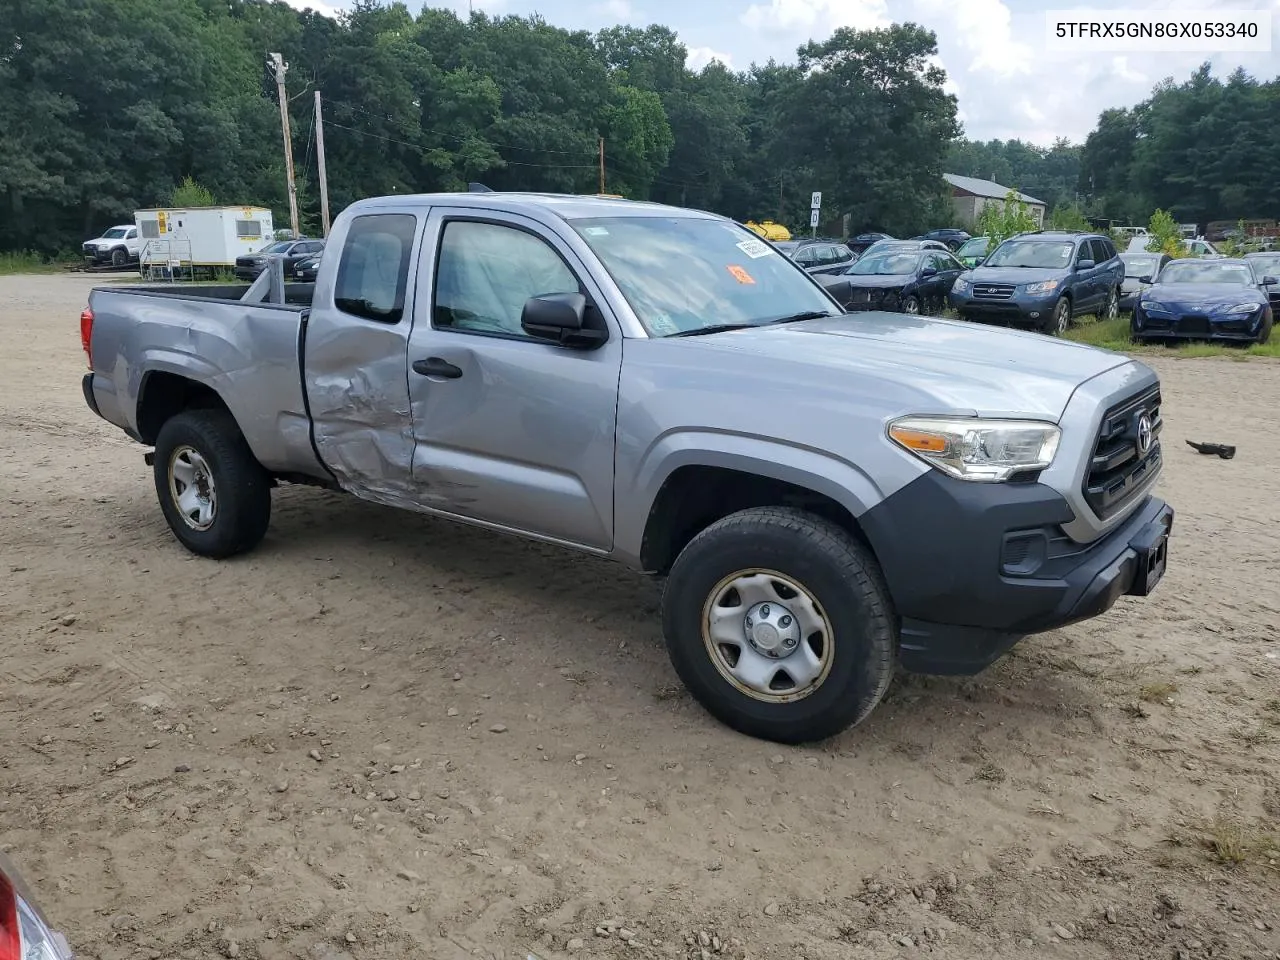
(969, 195)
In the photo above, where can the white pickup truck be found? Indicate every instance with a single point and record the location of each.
(118, 246)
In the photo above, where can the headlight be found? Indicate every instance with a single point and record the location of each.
(1154, 306)
(1241, 308)
(973, 449)
(960, 286)
(1044, 286)
(22, 927)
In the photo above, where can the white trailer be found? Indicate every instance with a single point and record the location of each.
(184, 240)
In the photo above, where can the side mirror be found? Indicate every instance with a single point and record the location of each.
(928, 271)
(1146, 279)
(1269, 281)
(559, 317)
(1085, 265)
(979, 261)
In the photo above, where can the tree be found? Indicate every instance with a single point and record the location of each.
(1165, 237)
(190, 194)
(1001, 219)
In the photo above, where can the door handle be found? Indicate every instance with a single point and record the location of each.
(437, 367)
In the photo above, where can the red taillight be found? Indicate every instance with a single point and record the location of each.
(86, 341)
(10, 937)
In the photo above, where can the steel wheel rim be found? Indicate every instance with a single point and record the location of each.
(740, 653)
(191, 488)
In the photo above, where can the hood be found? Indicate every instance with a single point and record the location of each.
(1014, 275)
(1132, 285)
(1209, 293)
(927, 365)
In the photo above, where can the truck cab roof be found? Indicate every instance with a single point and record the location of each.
(562, 205)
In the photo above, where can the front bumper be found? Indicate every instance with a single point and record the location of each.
(973, 568)
(1020, 308)
(1178, 326)
(247, 271)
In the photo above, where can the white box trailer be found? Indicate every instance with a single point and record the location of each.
(208, 239)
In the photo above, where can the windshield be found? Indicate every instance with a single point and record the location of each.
(280, 246)
(787, 246)
(687, 273)
(1267, 266)
(1206, 271)
(115, 233)
(1140, 266)
(1031, 253)
(885, 264)
(976, 247)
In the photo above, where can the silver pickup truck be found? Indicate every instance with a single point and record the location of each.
(827, 496)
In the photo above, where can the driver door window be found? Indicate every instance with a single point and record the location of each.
(487, 272)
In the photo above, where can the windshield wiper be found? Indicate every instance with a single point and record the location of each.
(806, 315)
(714, 328)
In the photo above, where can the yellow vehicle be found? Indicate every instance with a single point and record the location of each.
(769, 230)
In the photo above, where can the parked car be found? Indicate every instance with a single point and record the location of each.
(860, 243)
(973, 251)
(248, 267)
(622, 379)
(1195, 247)
(1198, 299)
(1043, 280)
(1136, 267)
(1267, 265)
(118, 246)
(906, 280)
(818, 256)
(305, 270)
(953, 237)
(25, 933)
(883, 246)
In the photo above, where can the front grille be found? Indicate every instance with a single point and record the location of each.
(992, 291)
(1118, 466)
(1194, 325)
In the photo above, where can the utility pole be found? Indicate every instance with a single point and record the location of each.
(324, 179)
(602, 164)
(279, 67)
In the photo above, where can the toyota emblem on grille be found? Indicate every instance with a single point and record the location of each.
(1144, 435)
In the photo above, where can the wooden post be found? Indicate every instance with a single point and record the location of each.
(324, 179)
(280, 67)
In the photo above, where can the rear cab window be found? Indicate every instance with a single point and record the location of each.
(373, 269)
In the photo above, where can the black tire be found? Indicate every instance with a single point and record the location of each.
(119, 257)
(910, 304)
(1111, 306)
(1265, 333)
(841, 576)
(241, 508)
(1059, 321)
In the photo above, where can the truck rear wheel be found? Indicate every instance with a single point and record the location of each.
(780, 625)
(214, 494)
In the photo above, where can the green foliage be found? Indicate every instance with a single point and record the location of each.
(1164, 235)
(190, 194)
(1000, 220)
(1201, 149)
(1068, 216)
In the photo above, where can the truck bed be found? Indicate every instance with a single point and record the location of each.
(247, 351)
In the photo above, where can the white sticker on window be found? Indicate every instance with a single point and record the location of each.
(755, 249)
(596, 231)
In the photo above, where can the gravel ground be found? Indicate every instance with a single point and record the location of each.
(381, 735)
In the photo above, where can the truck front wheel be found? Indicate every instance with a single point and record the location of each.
(780, 624)
(214, 494)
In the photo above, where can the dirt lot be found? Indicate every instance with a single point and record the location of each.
(386, 736)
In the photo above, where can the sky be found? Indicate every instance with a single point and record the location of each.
(1007, 83)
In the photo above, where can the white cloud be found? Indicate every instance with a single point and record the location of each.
(617, 9)
(824, 15)
(319, 6)
(699, 57)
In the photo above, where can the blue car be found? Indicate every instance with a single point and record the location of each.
(1222, 299)
(1043, 280)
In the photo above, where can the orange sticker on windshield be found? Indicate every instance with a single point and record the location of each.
(739, 274)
